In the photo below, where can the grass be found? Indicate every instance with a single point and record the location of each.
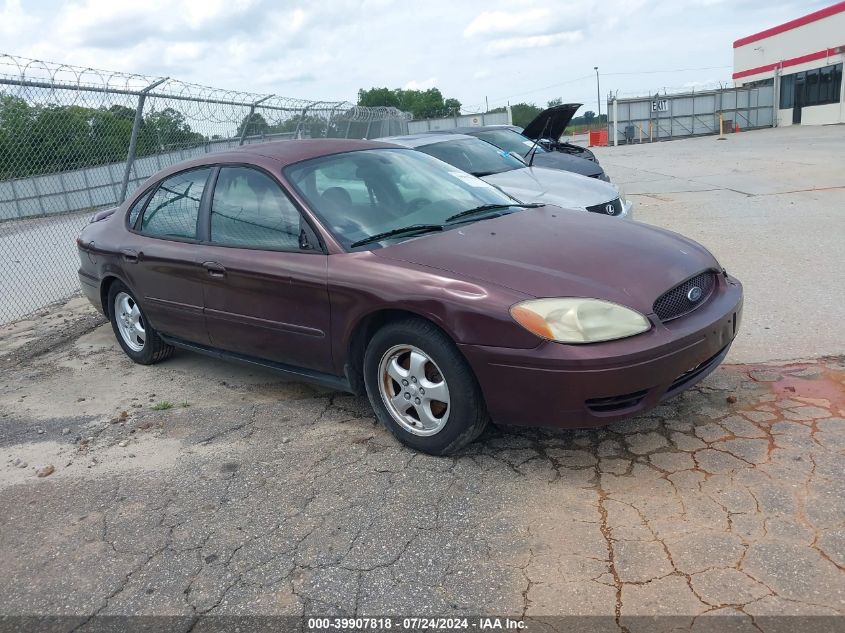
(164, 405)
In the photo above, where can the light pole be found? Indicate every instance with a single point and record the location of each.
(598, 91)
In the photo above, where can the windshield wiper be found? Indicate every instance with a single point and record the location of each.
(403, 230)
(491, 207)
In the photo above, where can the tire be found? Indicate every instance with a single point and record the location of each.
(450, 415)
(142, 344)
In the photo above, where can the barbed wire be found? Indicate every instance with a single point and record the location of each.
(85, 81)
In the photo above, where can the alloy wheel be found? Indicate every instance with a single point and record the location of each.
(130, 321)
(414, 390)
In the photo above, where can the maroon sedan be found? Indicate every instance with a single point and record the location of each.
(373, 268)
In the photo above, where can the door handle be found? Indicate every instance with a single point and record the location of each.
(214, 269)
(130, 255)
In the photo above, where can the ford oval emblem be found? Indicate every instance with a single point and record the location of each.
(694, 294)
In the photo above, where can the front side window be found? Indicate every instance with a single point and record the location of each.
(509, 141)
(360, 194)
(174, 208)
(250, 210)
(474, 156)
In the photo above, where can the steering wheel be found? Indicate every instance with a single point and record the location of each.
(418, 203)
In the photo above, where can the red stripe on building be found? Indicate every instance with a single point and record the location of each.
(839, 7)
(811, 57)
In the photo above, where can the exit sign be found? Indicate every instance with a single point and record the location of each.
(660, 105)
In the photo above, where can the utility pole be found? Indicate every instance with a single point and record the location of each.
(598, 91)
(486, 105)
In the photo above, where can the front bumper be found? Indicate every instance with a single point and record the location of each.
(574, 386)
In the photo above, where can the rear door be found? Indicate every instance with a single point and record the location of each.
(160, 256)
(266, 292)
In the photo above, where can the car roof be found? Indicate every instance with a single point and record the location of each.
(472, 129)
(271, 155)
(421, 140)
(294, 151)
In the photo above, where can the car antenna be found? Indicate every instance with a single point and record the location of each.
(533, 150)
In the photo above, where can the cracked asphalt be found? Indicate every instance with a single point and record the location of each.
(251, 496)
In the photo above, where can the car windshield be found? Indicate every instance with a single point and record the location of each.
(474, 156)
(360, 194)
(508, 140)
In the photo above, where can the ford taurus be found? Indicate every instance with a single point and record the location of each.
(377, 269)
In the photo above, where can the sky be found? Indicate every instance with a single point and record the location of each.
(495, 50)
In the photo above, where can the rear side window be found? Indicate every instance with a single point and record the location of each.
(174, 207)
(250, 210)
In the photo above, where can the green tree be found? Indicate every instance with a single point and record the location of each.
(168, 130)
(375, 97)
(255, 125)
(307, 125)
(555, 102)
(41, 139)
(453, 106)
(524, 113)
(17, 118)
(111, 130)
(588, 116)
(422, 104)
(62, 136)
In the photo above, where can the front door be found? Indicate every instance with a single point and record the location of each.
(266, 292)
(160, 257)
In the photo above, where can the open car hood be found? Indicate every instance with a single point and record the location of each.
(554, 120)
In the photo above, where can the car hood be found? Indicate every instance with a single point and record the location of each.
(548, 252)
(552, 186)
(554, 120)
(567, 162)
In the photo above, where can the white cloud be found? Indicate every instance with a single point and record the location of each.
(510, 44)
(425, 84)
(13, 19)
(499, 22)
(506, 50)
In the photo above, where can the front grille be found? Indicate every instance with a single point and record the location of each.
(676, 302)
(616, 403)
(612, 208)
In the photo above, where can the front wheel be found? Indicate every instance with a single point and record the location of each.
(136, 336)
(422, 389)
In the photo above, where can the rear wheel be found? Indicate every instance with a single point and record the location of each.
(422, 389)
(136, 336)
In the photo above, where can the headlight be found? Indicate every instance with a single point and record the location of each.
(573, 320)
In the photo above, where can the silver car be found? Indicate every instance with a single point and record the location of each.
(515, 176)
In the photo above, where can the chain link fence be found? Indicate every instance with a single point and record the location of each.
(73, 140)
(673, 115)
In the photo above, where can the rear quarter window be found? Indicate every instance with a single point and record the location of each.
(136, 208)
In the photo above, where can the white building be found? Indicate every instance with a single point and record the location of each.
(803, 58)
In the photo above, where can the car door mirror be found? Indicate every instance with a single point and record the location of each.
(304, 242)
